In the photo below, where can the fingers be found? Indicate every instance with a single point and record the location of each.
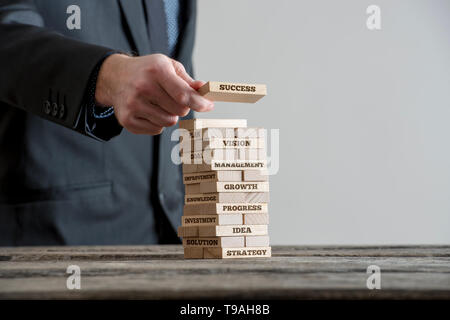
(167, 103)
(156, 114)
(143, 126)
(183, 94)
(197, 84)
(157, 91)
(181, 72)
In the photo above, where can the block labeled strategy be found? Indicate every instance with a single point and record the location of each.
(226, 190)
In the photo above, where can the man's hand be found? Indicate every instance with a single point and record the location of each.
(149, 92)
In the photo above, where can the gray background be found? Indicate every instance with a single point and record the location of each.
(364, 116)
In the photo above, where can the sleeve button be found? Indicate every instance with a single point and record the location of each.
(47, 107)
(62, 110)
(54, 109)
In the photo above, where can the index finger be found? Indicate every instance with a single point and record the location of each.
(183, 94)
(181, 72)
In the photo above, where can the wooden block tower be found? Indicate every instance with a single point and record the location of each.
(226, 181)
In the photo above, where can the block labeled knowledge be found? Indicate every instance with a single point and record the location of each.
(226, 181)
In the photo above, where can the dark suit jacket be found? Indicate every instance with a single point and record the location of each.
(58, 186)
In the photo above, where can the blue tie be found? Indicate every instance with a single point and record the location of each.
(172, 9)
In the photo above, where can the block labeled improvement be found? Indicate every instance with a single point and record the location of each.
(211, 176)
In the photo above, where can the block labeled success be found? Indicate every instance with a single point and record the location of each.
(233, 92)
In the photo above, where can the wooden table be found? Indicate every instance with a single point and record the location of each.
(160, 272)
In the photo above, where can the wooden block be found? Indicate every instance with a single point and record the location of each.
(212, 176)
(231, 154)
(233, 92)
(222, 143)
(218, 242)
(198, 168)
(234, 230)
(212, 220)
(208, 147)
(205, 156)
(250, 132)
(223, 165)
(191, 157)
(237, 165)
(221, 186)
(188, 231)
(192, 145)
(252, 154)
(208, 133)
(192, 188)
(195, 124)
(256, 218)
(257, 241)
(224, 208)
(233, 253)
(255, 175)
(228, 197)
(189, 168)
(193, 253)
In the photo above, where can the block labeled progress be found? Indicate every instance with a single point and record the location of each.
(224, 208)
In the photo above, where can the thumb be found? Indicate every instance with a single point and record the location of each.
(197, 84)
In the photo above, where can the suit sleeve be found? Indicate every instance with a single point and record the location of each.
(43, 72)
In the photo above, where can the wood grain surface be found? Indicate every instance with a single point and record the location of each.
(160, 272)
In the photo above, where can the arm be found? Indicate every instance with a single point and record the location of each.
(149, 92)
(45, 73)
(48, 74)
